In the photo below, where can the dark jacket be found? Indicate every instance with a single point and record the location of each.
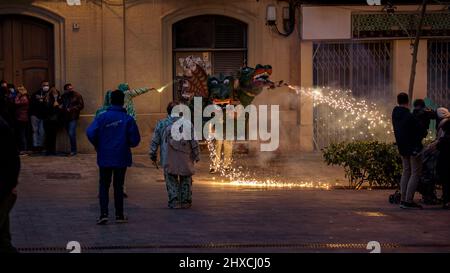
(53, 112)
(443, 165)
(38, 106)
(72, 103)
(9, 160)
(407, 130)
(424, 117)
(113, 133)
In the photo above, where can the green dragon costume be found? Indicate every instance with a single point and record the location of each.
(130, 94)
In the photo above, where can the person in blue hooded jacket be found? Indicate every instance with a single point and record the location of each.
(113, 134)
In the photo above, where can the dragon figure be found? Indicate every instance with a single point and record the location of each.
(252, 81)
(222, 90)
(240, 88)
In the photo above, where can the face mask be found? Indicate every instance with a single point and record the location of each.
(12, 90)
(45, 88)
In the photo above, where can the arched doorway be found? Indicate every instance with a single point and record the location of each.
(219, 40)
(26, 50)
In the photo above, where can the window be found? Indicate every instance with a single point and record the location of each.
(219, 40)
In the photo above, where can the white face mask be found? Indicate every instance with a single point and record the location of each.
(45, 88)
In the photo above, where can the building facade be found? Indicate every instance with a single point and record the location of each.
(101, 43)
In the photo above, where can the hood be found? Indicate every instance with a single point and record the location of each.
(123, 87)
(107, 101)
(442, 113)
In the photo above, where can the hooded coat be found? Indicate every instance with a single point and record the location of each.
(130, 94)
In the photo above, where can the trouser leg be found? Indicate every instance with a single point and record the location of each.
(186, 190)
(406, 174)
(218, 149)
(119, 180)
(71, 128)
(41, 133)
(35, 129)
(5, 235)
(172, 189)
(227, 153)
(416, 171)
(50, 136)
(105, 182)
(445, 179)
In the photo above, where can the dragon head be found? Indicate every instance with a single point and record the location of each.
(220, 89)
(252, 81)
(255, 78)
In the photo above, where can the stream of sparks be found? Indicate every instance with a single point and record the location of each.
(362, 119)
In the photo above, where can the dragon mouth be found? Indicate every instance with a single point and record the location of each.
(261, 79)
(221, 101)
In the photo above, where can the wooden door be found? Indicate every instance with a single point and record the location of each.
(26, 51)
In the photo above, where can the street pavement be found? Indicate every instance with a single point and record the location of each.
(58, 203)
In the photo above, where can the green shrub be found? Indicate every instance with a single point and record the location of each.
(372, 162)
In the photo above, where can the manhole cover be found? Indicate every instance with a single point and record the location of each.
(57, 176)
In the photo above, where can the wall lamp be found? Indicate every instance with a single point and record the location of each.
(288, 17)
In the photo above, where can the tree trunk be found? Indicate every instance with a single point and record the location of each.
(416, 49)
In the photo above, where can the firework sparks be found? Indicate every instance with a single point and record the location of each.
(362, 119)
(358, 115)
(162, 88)
(240, 177)
(277, 184)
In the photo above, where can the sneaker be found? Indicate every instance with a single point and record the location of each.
(121, 219)
(102, 220)
(412, 205)
(72, 154)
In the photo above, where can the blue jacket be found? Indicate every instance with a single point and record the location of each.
(113, 133)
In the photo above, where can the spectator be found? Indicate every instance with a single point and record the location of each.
(11, 92)
(52, 121)
(158, 141)
(38, 110)
(443, 165)
(443, 116)
(22, 103)
(179, 165)
(9, 172)
(408, 135)
(3, 85)
(72, 104)
(8, 104)
(424, 115)
(113, 133)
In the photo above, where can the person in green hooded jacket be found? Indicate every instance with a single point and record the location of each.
(130, 94)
